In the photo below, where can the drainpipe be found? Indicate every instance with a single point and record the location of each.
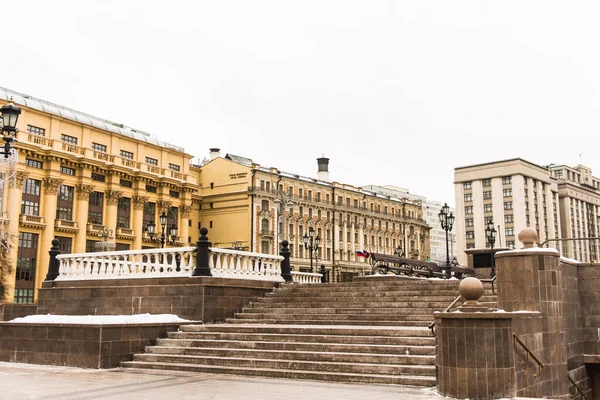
(333, 234)
(252, 211)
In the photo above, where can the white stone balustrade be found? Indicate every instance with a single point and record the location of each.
(169, 262)
(148, 263)
(226, 263)
(306, 277)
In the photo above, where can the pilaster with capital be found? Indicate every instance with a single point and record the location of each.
(184, 217)
(81, 215)
(163, 205)
(49, 212)
(138, 219)
(112, 201)
(21, 177)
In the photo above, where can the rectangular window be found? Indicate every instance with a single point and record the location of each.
(173, 193)
(469, 210)
(173, 217)
(467, 185)
(98, 177)
(65, 244)
(36, 130)
(149, 213)
(150, 189)
(505, 180)
(487, 195)
(469, 222)
(508, 205)
(509, 231)
(26, 267)
(34, 163)
(470, 245)
(507, 192)
(68, 139)
(30, 202)
(64, 203)
(489, 220)
(126, 183)
(90, 246)
(128, 155)
(96, 208)
(510, 244)
(151, 161)
(558, 174)
(470, 234)
(99, 147)
(486, 183)
(468, 197)
(509, 218)
(487, 208)
(67, 170)
(123, 212)
(174, 167)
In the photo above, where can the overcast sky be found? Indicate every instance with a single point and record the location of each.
(393, 92)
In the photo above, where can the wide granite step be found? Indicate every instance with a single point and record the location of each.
(290, 374)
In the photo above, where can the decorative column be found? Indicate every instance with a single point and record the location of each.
(138, 219)
(81, 216)
(14, 208)
(49, 205)
(112, 202)
(184, 216)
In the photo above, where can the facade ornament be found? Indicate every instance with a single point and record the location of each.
(185, 210)
(21, 177)
(83, 191)
(112, 197)
(51, 185)
(163, 205)
(139, 202)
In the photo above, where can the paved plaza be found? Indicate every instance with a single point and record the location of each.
(27, 381)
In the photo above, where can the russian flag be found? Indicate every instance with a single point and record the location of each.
(363, 253)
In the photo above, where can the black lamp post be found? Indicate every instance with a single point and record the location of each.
(311, 243)
(447, 220)
(163, 226)
(10, 115)
(490, 233)
(399, 251)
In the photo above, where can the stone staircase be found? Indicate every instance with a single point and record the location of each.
(372, 330)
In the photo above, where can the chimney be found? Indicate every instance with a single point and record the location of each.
(323, 174)
(214, 153)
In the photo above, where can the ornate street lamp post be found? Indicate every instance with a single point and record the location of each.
(10, 115)
(163, 226)
(490, 233)
(106, 235)
(311, 243)
(282, 201)
(447, 220)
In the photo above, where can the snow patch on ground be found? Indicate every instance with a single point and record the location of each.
(99, 319)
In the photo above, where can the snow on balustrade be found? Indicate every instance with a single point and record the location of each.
(306, 277)
(148, 263)
(226, 263)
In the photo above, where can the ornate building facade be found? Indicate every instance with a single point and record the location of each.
(244, 204)
(85, 180)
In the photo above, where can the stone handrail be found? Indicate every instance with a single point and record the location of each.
(306, 277)
(148, 263)
(226, 263)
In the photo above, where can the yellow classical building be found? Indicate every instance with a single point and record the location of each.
(90, 182)
(242, 205)
(85, 180)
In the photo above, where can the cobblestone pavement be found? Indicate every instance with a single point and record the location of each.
(27, 381)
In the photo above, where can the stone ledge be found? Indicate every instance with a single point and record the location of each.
(79, 345)
(484, 315)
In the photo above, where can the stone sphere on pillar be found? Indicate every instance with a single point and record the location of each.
(528, 236)
(471, 289)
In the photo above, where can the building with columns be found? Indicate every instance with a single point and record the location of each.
(513, 194)
(84, 180)
(579, 207)
(243, 203)
(94, 184)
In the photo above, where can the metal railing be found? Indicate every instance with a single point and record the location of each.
(529, 354)
(577, 389)
(447, 309)
(492, 281)
(576, 248)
